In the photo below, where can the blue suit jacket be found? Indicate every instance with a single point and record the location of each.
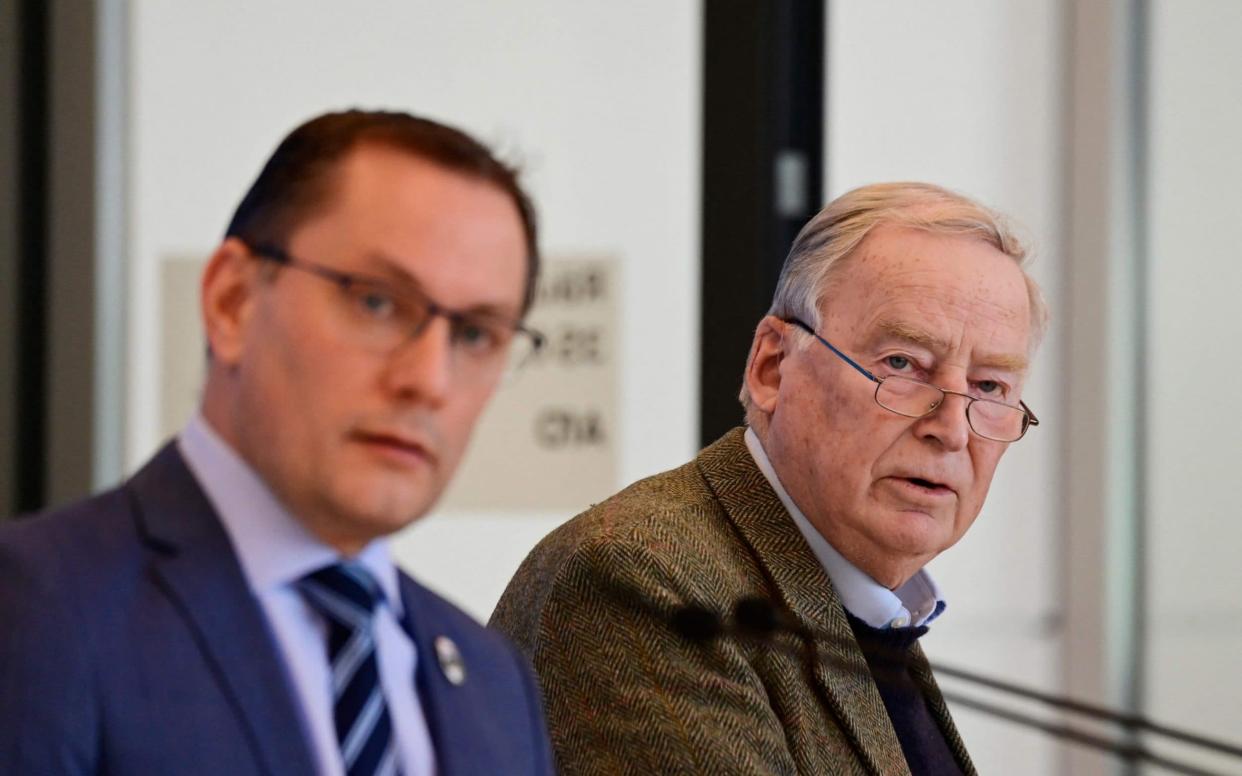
(130, 643)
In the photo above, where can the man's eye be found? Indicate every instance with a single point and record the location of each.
(477, 337)
(376, 304)
(897, 362)
(989, 387)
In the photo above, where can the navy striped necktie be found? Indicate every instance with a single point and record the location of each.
(346, 595)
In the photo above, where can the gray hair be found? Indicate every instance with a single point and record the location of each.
(818, 252)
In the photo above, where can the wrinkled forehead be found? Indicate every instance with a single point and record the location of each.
(936, 291)
(1001, 279)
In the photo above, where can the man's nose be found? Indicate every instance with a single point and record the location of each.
(421, 368)
(947, 424)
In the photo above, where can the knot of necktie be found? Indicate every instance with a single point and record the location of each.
(345, 593)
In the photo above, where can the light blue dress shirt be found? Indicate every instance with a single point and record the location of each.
(275, 551)
(917, 602)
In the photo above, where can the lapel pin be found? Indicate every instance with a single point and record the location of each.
(451, 664)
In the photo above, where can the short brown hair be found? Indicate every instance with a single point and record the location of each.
(297, 178)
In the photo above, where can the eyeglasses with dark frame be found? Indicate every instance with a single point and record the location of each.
(912, 398)
(381, 317)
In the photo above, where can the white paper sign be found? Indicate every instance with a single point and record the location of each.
(549, 438)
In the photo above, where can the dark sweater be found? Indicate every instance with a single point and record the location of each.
(888, 655)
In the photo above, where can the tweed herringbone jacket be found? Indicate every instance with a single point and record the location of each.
(625, 694)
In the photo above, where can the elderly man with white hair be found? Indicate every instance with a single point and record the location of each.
(881, 390)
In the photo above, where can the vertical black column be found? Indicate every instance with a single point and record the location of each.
(29, 439)
(763, 98)
(9, 37)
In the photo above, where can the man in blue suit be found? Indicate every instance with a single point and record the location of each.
(233, 607)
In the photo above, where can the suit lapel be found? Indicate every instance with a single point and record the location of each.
(803, 588)
(458, 716)
(195, 565)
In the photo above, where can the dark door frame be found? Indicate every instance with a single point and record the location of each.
(763, 130)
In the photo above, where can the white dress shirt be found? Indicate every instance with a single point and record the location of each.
(917, 602)
(275, 551)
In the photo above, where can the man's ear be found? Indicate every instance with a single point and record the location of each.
(763, 366)
(230, 283)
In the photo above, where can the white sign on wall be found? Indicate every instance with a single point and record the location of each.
(548, 440)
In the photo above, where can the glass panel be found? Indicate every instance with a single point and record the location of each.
(1194, 614)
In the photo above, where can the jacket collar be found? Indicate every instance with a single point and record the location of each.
(803, 589)
(459, 748)
(917, 602)
(194, 564)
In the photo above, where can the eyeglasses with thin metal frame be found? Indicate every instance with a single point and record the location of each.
(385, 317)
(916, 399)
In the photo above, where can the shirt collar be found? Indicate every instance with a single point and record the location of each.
(917, 602)
(275, 550)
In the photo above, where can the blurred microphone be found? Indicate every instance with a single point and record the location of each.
(753, 618)
(757, 619)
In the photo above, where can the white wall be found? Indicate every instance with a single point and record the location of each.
(1192, 367)
(968, 94)
(601, 100)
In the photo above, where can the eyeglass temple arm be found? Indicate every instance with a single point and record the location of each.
(268, 251)
(279, 256)
(830, 346)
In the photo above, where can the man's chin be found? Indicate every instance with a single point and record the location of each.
(378, 511)
(916, 533)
